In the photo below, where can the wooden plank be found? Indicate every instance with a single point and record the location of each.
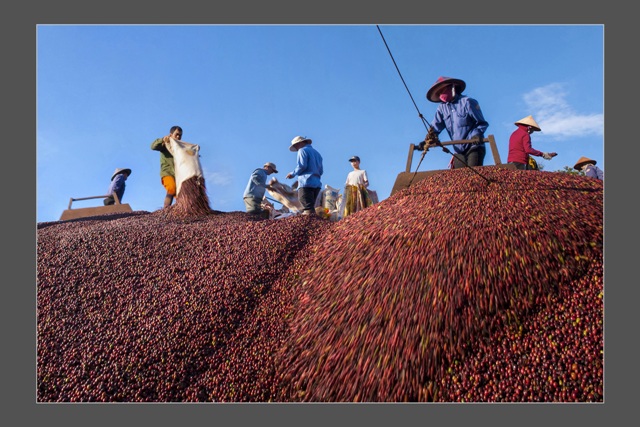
(410, 157)
(494, 150)
(95, 211)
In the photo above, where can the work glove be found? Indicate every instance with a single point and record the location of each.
(432, 137)
(548, 156)
(478, 139)
(420, 146)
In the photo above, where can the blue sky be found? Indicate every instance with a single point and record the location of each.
(242, 92)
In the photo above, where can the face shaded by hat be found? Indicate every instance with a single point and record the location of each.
(125, 171)
(272, 166)
(297, 141)
(354, 159)
(528, 121)
(433, 94)
(583, 161)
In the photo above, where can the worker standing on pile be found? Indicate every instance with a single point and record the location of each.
(588, 166)
(520, 145)
(117, 186)
(167, 168)
(254, 192)
(309, 171)
(356, 194)
(462, 117)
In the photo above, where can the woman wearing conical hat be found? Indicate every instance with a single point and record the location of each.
(520, 144)
(589, 168)
(462, 117)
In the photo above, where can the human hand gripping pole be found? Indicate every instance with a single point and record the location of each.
(432, 137)
(430, 140)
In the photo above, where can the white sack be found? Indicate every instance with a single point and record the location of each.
(186, 159)
(285, 194)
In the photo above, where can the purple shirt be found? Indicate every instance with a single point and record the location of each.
(592, 171)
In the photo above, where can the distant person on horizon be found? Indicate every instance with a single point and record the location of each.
(309, 171)
(117, 186)
(254, 192)
(589, 168)
(167, 168)
(520, 144)
(462, 117)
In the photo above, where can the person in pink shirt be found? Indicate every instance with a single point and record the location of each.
(520, 144)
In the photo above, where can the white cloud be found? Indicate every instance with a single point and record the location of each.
(217, 178)
(556, 117)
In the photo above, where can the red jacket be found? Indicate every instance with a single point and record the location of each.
(520, 146)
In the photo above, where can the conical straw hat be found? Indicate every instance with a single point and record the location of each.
(528, 121)
(581, 162)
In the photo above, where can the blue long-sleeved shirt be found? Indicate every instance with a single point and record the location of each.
(308, 167)
(462, 118)
(117, 186)
(257, 184)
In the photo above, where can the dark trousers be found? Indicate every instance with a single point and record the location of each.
(473, 157)
(520, 166)
(307, 197)
(253, 205)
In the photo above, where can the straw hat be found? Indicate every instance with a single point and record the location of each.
(298, 140)
(432, 93)
(528, 121)
(582, 161)
(272, 166)
(117, 171)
